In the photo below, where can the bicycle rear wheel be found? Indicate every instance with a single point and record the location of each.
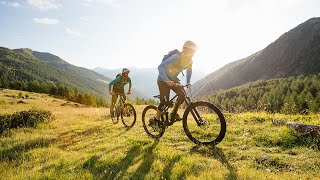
(204, 123)
(128, 115)
(154, 129)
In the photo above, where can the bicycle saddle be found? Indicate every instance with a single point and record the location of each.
(157, 96)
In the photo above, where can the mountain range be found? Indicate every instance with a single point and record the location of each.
(296, 52)
(27, 65)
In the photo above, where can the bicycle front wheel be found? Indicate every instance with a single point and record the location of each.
(128, 115)
(114, 116)
(204, 123)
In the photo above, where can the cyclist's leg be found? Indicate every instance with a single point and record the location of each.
(113, 102)
(181, 97)
(164, 90)
(123, 95)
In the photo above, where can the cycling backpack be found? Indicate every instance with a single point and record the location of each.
(119, 75)
(165, 57)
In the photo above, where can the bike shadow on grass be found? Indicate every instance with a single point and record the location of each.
(218, 154)
(140, 152)
(122, 132)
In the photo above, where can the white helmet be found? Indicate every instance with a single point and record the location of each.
(125, 70)
(190, 45)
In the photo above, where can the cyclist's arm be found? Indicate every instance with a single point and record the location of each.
(162, 69)
(114, 82)
(130, 84)
(189, 73)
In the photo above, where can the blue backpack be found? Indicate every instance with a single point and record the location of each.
(165, 57)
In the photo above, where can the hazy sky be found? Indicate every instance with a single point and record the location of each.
(125, 33)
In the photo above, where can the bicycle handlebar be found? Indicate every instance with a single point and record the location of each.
(181, 85)
(177, 85)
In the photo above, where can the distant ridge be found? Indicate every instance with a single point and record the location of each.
(296, 52)
(27, 65)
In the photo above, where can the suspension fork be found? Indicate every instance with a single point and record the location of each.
(193, 111)
(188, 101)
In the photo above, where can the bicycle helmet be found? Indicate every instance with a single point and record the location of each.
(125, 71)
(190, 45)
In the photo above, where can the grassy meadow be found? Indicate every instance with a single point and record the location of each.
(83, 143)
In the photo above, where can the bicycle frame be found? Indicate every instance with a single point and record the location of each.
(211, 115)
(188, 101)
(120, 102)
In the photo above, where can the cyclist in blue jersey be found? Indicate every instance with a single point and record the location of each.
(169, 69)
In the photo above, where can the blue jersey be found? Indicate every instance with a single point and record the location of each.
(170, 68)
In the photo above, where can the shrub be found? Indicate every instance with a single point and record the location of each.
(30, 118)
(20, 95)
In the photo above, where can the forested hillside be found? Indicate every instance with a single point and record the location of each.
(284, 95)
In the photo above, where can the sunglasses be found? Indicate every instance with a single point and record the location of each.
(189, 49)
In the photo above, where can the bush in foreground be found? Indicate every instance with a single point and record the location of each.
(30, 118)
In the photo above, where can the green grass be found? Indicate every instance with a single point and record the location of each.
(82, 143)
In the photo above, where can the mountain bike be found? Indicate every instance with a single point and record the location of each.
(125, 111)
(203, 122)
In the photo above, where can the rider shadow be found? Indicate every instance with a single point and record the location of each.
(147, 159)
(124, 131)
(167, 171)
(117, 170)
(218, 154)
(107, 170)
